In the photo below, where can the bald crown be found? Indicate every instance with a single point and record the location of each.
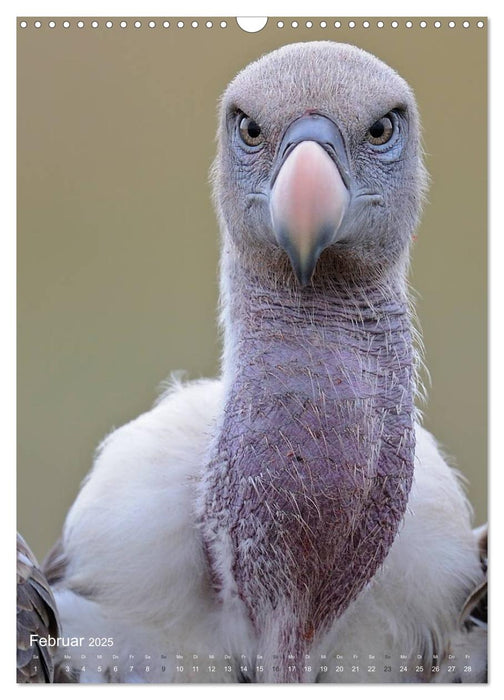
(340, 80)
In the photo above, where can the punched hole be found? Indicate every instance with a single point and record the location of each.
(252, 24)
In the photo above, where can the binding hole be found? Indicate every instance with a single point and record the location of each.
(252, 24)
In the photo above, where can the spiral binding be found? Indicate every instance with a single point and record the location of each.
(277, 23)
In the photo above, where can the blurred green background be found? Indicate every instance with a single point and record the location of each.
(118, 243)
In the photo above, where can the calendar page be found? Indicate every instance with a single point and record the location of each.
(252, 349)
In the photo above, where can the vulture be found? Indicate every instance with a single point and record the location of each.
(291, 521)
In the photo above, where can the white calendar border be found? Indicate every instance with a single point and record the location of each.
(7, 281)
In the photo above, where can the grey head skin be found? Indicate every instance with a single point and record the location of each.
(318, 185)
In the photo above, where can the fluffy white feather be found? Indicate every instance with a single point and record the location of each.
(133, 547)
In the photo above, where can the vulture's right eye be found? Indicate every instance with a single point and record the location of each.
(250, 131)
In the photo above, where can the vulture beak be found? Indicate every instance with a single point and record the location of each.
(309, 191)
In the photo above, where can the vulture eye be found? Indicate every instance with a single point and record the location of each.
(381, 131)
(250, 131)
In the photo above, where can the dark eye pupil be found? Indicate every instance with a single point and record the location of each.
(250, 131)
(253, 129)
(377, 130)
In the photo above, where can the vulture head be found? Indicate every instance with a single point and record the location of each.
(318, 186)
(319, 158)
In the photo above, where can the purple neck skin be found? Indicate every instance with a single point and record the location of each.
(312, 468)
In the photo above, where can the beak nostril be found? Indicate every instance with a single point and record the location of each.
(318, 128)
(286, 150)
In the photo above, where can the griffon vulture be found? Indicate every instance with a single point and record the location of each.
(292, 519)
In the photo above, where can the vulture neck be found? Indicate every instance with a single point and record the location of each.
(313, 464)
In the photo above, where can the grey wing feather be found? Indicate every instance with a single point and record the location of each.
(473, 617)
(474, 610)
(36, 615)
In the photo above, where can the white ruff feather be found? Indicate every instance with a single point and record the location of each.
(132, 545)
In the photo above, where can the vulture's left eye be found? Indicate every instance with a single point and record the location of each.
(250, 131)
(381, 131)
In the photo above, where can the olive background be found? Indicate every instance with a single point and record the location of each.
(118, 242)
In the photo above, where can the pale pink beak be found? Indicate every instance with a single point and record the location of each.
(308, 202)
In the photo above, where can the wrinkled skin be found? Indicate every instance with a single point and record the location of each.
(308, 479)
